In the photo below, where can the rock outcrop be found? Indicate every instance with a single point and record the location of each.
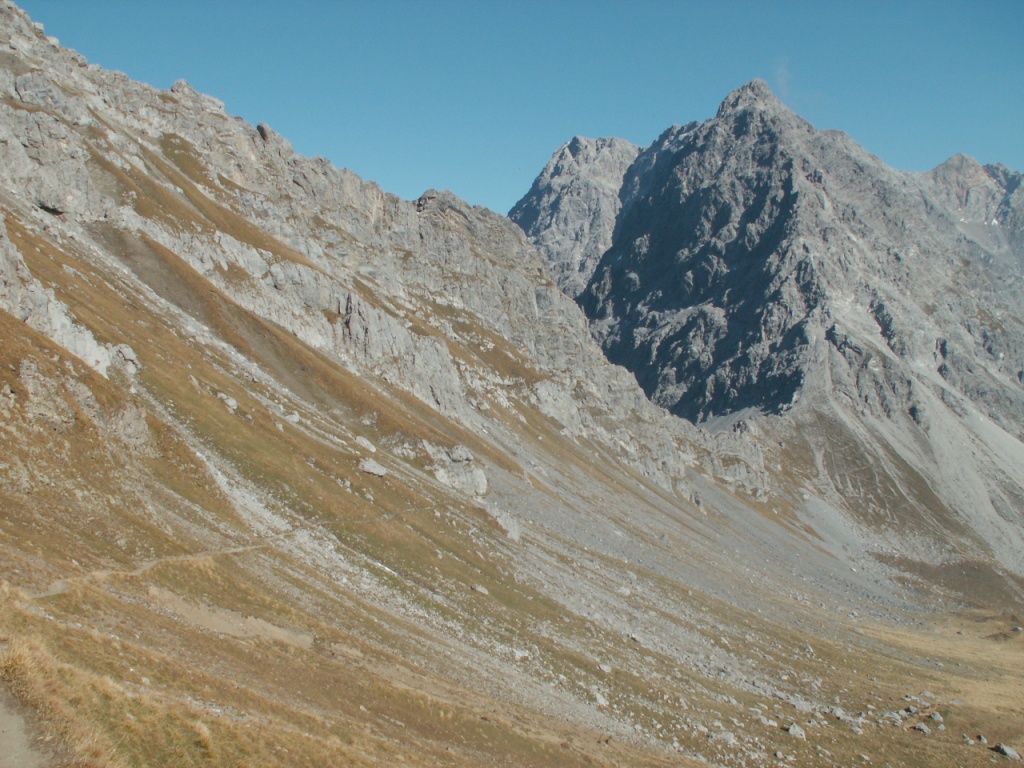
(753, 253)
(571, 210)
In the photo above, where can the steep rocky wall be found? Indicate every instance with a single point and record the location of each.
(758, 266)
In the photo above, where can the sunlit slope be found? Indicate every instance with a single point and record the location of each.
(295, 472)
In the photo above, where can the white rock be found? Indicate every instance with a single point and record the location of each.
(371, 467)
(796, 731)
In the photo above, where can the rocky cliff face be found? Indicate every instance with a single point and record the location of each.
(758, 265)
(749, 250)
(571, 210)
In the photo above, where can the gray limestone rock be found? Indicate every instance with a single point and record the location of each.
(1006, 751)
(760, 267)
(570, 211)
(373, 467)
(382, 285)
(31, 302)
(37, 89)
(456, 468)
(753, 252)
(796, 731)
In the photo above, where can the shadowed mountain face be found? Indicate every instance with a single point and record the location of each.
(754, 259)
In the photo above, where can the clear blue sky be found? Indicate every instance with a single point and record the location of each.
(475, 96)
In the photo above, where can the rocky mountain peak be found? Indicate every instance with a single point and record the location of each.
(571, 209)
(987, 204)
(601, 158)
(960, 173)
(585, 149)
(737, 239)
(755, 95)
(762, 271)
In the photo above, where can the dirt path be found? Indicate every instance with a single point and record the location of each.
(20, 744)
(17, 748)
(62, 585)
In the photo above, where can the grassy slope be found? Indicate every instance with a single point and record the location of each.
(149, 618)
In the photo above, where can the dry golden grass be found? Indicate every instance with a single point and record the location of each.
(185, 158)
(219, 215)
(205, 700)
(124, 673)
(55, 692)
(982, 665)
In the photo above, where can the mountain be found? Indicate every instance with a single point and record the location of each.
(570, 211)
(296, 472)
(761, 268)
(747, 247)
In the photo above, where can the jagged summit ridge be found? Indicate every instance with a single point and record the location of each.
(761, 266)
(699, 250)
(571, 209)
(755, 95)
(738, 238)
